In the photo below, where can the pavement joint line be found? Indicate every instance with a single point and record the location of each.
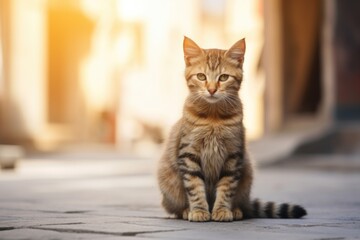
(49, 211)
(319, 225)
(132, 234)
(7, 228)
(137, 224)
(161, 218)
(82, 231)
(55, 224)
(75, 212)
(332, 238)
(65, 212)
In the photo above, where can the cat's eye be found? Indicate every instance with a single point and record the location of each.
(201, 76)
(223, 77)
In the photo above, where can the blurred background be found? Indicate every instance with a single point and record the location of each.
(88, 75)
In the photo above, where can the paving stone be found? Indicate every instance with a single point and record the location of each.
(127, 206)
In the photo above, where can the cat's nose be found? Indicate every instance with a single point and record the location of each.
(212, 91)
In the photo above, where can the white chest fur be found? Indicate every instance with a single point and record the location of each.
(212, 150)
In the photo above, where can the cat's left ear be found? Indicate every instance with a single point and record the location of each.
(237, 51)
(191, 50)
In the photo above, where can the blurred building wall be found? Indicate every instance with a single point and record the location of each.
(293, 62)
(111, 72)
(23, 56)
(310, 62)
(347, 60)
(160, 82)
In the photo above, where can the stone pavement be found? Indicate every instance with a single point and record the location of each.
(119, 199)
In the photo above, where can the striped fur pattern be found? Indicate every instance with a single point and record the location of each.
(205, 172)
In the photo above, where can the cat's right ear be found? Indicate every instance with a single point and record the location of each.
(191, 50)
(237, 51)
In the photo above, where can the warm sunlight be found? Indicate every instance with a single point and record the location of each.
(109, 71)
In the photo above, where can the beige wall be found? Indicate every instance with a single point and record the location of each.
(24, 105)
(130, 77)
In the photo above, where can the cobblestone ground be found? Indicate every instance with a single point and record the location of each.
(112, 199)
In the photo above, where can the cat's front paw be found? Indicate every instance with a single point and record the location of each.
(222, 215)
(199, 215)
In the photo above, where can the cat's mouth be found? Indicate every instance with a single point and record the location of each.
(212, 98)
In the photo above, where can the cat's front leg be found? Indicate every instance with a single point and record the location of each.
(222, 210)
(226, 189)
(193, 179)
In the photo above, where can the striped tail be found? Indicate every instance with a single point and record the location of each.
(273, 210)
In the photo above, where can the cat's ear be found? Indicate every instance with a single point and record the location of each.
(191, 50)
(237, 51)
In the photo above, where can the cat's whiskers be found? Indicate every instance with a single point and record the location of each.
(231, 101)
(195, 97)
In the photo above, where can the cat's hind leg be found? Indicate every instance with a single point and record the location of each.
(237, 214)
(173, 192)
(185, 214)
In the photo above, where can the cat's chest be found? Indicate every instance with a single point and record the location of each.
(212, 145)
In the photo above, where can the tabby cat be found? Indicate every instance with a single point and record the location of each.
(205, 172)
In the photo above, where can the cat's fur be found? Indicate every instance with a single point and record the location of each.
(205, 172)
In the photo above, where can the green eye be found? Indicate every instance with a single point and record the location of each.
(201, 76)
(223, 77)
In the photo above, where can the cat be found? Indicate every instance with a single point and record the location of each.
(205, 172)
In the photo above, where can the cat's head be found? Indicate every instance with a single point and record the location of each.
(213, 74)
